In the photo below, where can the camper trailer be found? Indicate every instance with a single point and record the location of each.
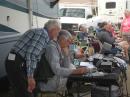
(112, 10)
(16, 17)
(21, 15)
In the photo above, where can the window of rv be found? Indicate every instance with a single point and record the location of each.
(72, 12)
(110, 5)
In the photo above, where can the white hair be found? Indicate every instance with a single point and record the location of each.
(51, 24)
(84, 26)
(65, 34)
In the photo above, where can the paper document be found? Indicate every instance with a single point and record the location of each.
(87, 64)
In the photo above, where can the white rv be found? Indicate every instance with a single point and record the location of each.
(72, 15)
(17, 16)
(112, 10)
(21, 15)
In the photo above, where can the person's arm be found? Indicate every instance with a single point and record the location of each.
(81, 70)
(34, 48)
(72, 66)
(53, 58)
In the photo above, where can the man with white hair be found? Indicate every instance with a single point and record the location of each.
(57, 55)
(24, 56)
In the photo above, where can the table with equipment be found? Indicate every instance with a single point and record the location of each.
(104, 79)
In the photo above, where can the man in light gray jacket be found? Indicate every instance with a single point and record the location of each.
(59, 61)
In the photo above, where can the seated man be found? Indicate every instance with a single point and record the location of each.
(58, 59)
(106, 36)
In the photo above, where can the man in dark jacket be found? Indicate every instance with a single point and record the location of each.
(106, 35)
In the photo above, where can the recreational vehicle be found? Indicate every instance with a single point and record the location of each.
(16, 17)
(24, 14)
(112, 10)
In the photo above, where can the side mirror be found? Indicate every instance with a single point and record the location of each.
(89, 16)
(52, 4)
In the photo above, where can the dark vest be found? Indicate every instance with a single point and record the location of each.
(43, 71)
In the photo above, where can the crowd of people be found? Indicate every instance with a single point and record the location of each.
(54, 44)
(106, 33)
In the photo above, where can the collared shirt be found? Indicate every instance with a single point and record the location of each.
(30, 46)
(58, 65)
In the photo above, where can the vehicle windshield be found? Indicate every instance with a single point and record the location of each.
(72, 12)
(110, 5)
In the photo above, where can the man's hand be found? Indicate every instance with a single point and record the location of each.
(31, 84)
(82, 70)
